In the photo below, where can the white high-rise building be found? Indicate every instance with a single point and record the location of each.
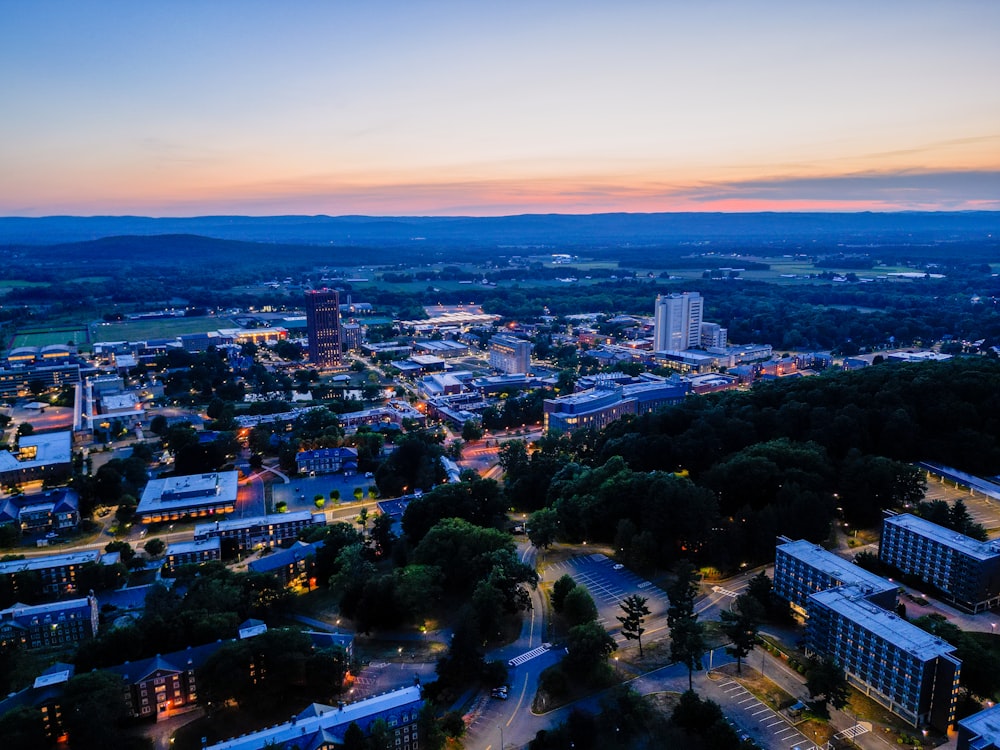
(677, 321)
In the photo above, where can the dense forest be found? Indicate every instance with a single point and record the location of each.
(716, 479)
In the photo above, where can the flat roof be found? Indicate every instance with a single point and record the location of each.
(20, 610)
(323, 717)
(45, 562)
(189, 491)
(50, 448)
(948, 537)
(833, 565)
(985, 725)
(850, 602)
(232, 524)
(198, 545)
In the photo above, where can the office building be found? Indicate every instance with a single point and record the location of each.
(353, 335)
(965, 570)
(713, 335)
(510, 355)
(802, 569)
(192, 495)
(43, 625)
(320, 727)
(980, 731)
(677, 321)
(909, 671)
(323, 325)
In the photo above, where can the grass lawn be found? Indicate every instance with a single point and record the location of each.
(51, 336)
(139, 330)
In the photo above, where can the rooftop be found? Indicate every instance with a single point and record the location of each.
(850, 602)
(234, 524)
(49, 561)
(174, 493)
(985, 726)
(837, 567)
(318, 717)
(39, 450)
(198, 545)
(958, 542)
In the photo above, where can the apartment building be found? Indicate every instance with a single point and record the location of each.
(965, 570)
(802, 568)
(909, 671)
(268, 531)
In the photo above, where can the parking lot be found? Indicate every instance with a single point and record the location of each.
(758, 721)
(609, 586)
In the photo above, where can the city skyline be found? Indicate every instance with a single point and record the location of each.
(444, 108)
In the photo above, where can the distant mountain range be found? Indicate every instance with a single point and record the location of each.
(550, 230)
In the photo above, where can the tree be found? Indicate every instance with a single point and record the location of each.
(588, 647)
(93, 707)
(155, 547)
(634, 611)
(740, 624)
(687, 639)
(23, 729)
(826, 681)
(578, 607)
(472, 430)
(542, 527)
(560, 589)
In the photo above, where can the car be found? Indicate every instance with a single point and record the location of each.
(617, 566)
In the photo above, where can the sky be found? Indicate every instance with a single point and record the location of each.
(189, 108)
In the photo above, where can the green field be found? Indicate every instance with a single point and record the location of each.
(51, 336)
(7, 284)
(140, 330)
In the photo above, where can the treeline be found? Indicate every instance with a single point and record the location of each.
(716, 479)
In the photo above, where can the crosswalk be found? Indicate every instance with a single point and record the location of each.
(767, 721)
(527, 656)
(852, 732)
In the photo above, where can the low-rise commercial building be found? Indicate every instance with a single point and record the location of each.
(965, 570)
(321, 727)
(195, 495)
(909, 671)
(44, 625)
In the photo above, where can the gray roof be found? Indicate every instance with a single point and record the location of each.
(320, 718)
(949, 538)
(850, 602)
(837, 567)
(985, 725)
